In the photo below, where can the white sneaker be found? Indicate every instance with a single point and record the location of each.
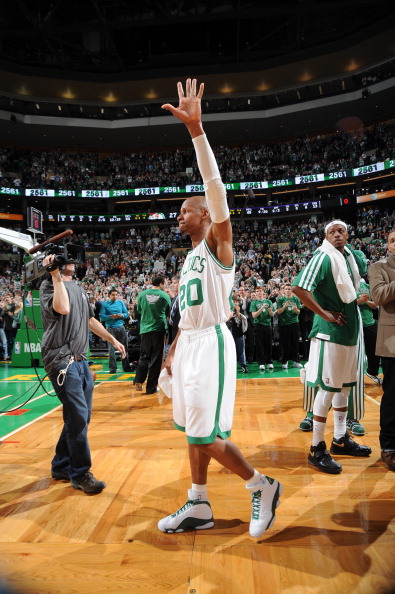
(270, 366)
(377, 380)
(297, 364)
(265, 498)
(284, 365)
(262, 367)
(195, 514)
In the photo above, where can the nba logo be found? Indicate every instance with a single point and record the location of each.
(17, 348)
(29, 299)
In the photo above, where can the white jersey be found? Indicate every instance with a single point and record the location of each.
(205, 289)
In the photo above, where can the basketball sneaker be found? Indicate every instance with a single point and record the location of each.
(194, 514)
(265, 497)
(262, 367)
(355, 427)
(321, 459)
(285, 365)
(270, 366)
(346, 446)
(307, 423)
(297, 364)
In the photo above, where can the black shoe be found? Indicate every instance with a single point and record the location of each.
(112, 371)
(244, 369)
(87, 483)
(60, 476)
(321, 459)
(152, 391)
(346, 446)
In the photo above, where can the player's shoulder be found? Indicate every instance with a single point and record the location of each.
(318, 259)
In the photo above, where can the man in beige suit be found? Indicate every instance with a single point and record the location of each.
(382, 286)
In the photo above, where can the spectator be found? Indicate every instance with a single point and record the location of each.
(288, 310)
(114, 314)
(238, 326)
(262, 312)
(153, 306)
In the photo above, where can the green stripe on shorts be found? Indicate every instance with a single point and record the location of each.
(221, 380)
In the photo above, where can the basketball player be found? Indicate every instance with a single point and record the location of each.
(332, 276)
(202, 358)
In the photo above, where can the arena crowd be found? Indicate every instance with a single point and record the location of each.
(267, 257)
(268, 161)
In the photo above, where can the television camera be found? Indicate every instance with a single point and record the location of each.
(68, 253)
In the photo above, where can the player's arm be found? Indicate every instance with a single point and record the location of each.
(308, 300)
(219, 235)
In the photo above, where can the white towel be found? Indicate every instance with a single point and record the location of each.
(165, 382)
(346, 287)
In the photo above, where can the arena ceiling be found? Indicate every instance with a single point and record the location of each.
(114, 37)
(140, 49)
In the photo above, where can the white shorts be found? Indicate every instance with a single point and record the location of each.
(331, 366)
(204, 383)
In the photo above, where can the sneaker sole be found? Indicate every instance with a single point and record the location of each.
(175, 530)
(327, 471)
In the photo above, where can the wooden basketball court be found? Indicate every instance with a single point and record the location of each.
(332, 533)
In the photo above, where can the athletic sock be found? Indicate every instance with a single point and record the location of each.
(318, 432)
(199, 492)
(340, 400)
(255, 479)
(321, 406)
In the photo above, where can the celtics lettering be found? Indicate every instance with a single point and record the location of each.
(195, 263)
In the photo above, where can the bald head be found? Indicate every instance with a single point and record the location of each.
(194, 217)
(198, 202)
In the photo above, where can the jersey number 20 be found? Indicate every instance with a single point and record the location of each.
(193, 292)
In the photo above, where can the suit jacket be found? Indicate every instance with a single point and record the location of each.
(382, 289)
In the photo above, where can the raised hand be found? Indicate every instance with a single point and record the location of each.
(189, 110)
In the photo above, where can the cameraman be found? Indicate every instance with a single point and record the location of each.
(67, 318)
